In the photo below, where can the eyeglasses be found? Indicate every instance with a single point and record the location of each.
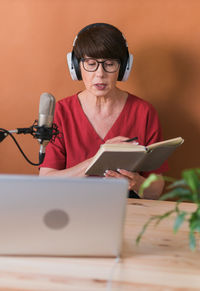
(109, 65)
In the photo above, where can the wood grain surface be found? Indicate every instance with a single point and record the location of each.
(162, 261)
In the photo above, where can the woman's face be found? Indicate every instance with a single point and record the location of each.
(99, 83)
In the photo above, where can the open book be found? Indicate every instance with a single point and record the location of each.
(131, 157)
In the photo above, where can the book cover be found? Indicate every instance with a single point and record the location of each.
(131, 157)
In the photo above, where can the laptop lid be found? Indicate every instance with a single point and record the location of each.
(61, 217)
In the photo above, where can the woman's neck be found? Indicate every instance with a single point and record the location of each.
(102, 104)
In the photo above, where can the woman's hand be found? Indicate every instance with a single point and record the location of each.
(120, 139)
(135, 181)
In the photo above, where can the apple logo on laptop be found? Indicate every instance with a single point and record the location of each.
(56, 219)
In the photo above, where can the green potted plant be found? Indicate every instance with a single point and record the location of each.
(185, 189)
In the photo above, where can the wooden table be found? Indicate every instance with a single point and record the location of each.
(162, 261)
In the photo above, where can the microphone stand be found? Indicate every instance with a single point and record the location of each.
(42, 133)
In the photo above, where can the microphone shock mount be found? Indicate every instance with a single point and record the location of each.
(42, 133)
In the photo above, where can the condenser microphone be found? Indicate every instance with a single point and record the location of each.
(45, 121)
(43, 129)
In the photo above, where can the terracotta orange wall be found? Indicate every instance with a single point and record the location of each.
(164, 37)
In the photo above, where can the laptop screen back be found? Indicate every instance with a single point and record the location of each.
(58, 216)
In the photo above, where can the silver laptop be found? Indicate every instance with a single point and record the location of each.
(61, 217)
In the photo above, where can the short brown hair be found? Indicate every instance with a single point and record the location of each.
(101, 40)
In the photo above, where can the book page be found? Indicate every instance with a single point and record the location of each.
(168, 142)
(122, 147)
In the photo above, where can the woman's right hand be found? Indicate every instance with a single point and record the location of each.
(120, 139)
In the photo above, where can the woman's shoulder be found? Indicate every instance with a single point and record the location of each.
(68, 106)
(139, 102)
(68, 101)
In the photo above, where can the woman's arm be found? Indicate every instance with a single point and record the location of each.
(79, 169)
(76, 171)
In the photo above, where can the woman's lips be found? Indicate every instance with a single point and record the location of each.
(100, 86)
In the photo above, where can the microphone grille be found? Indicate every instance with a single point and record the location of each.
(47, 104)
(46, 110)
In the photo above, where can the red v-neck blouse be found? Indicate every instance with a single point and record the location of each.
(79, 141)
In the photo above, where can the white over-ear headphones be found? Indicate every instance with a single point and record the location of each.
(73, 63)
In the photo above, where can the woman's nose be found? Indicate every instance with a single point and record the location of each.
(100, 70)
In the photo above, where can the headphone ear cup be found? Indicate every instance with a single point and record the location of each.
(73, 66)
(125, 69)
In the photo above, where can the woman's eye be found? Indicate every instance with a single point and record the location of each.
(91, 63)
(109, 63)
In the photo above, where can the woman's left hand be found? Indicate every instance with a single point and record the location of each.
(135, 179)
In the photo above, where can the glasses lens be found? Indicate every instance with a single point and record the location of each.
(111, 66)
(90, 65)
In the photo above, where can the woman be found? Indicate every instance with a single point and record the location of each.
(101, 112)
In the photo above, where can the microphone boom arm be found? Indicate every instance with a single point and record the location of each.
(41, 133)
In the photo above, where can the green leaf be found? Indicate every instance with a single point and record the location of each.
(143, 229)
(158, 218)
(185, 198)
(179, 192)
(179, 220)
(185, 189)
(169, 179)
(192, 241)
(198, 210)
(192, 180)
(179, 183)
(152, 178)
(194, 221)
(165, 215)
(195, 226)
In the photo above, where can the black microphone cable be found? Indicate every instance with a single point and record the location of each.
(43, 129)
(38, 132)
(5, 133)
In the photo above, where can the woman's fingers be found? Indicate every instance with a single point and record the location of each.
(120, 173)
